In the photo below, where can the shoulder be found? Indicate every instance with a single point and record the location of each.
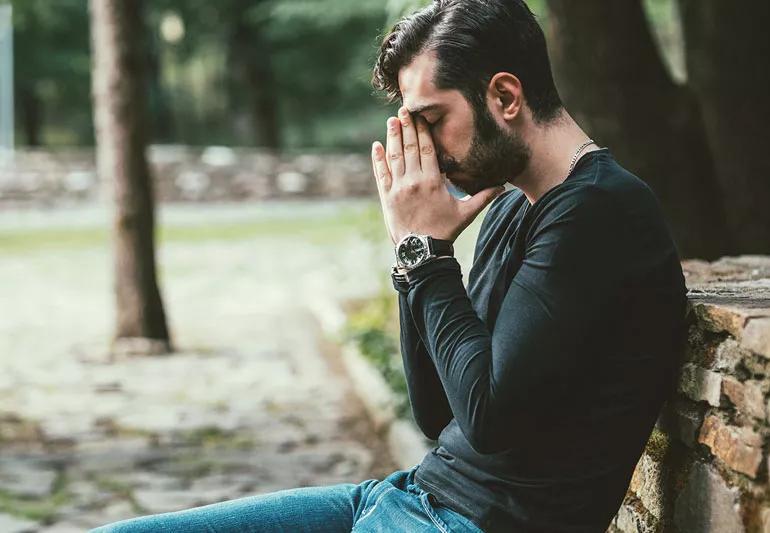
(506, 202)
(576, 202)
(508, 198)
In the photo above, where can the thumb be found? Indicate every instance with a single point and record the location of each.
(476, 203)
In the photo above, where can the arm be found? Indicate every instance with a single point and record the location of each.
(430, 406)
(557, 296)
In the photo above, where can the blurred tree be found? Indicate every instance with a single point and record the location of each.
(52, 70)
(119, 92)
(696, 144)
(252, 77)
(727, 49)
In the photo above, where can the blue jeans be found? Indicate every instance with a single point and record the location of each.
(394, 504)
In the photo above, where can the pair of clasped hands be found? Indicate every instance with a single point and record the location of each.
(413, 192)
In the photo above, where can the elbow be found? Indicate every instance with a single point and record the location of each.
(429, 428)
(488, 436)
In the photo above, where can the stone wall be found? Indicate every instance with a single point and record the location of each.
(183, 173)
(705, 467)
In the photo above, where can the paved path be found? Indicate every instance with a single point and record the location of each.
(254, 400)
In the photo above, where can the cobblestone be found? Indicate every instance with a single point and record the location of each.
(249, 403)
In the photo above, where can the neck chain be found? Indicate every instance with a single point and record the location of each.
(582, 147)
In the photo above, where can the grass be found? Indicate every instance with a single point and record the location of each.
(316, 229)
(373, 328)
(41, 510)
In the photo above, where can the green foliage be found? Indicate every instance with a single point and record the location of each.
(320, 54)
(38, 509)
(373, 328)
(52, 66)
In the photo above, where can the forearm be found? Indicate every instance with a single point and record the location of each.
(428, 400)
(460, 346)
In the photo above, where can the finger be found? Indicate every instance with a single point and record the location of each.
(381, 171)
(409, 136)
(428, 160)
(476, 203)
(395, 150)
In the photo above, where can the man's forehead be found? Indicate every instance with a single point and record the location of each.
(415, 81)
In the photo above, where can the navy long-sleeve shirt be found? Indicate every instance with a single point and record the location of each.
(543, 379)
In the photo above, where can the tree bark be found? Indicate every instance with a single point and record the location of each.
(32, 115)
(252, 72)
(614, 83)
(121, 137)
(727, 48)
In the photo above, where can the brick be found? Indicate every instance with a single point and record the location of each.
(756, 336)
(707, 503)
(740, 448)
(720, 317)
(746, 396)
(700, 384)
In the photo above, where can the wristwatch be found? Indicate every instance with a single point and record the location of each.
(414, 250)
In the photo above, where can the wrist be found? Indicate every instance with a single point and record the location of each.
(402, 276)
(415, 249)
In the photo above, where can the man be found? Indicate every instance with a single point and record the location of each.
(543, 379)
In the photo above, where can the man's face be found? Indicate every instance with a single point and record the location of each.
(473, 150)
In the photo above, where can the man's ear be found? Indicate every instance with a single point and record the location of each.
(505, 93)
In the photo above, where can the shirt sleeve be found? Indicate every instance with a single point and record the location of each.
(528, 362)
(427, 398)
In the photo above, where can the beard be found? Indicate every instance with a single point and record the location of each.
(494, 157)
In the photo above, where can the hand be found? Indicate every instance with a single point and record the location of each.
(413, 194)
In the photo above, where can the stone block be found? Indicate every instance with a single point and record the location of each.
(682, 419)
(629, 520)
(740, 448)
(646, 483)
(746, 396)
(756, 336)
(14, 524)
(707, 504)
(700, 384)
(720, 317)
(26, 478)
(764, 520)
(728, 354)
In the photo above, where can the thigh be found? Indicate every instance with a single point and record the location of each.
(330, 508)
(397, 510)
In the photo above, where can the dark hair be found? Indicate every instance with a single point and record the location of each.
(473, 40)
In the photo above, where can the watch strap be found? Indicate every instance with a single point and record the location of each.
(441, 247)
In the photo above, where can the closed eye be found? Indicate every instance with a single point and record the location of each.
(431, 124)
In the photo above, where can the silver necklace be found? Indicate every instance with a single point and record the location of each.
(582, 147)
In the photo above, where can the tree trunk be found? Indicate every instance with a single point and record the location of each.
(120, 124)
(727, 48)
(31, 111)
(614, 83)
(252, 74)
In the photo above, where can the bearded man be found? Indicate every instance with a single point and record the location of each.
(542, 380)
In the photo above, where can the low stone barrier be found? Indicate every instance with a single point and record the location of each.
(184, 173)
(705, 467)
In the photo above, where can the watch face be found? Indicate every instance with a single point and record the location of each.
(411, 251)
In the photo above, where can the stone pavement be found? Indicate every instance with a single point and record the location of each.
(253, 401)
